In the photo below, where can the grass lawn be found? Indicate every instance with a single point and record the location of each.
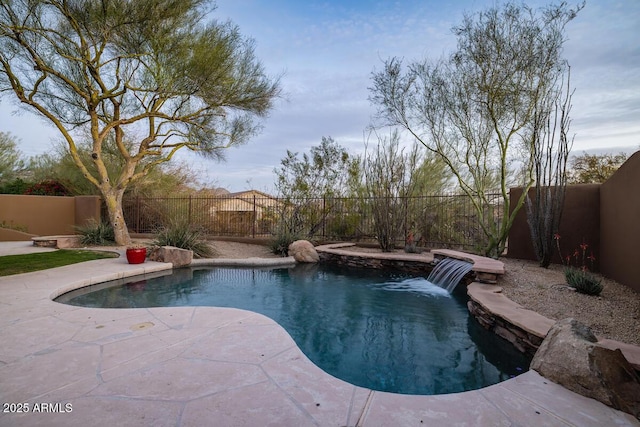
(16, 264)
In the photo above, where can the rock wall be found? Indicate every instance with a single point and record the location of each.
(524, 341)
(413, 267)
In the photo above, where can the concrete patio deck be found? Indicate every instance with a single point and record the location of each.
(199, 366)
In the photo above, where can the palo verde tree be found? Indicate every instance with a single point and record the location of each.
(474, 107)
(153, 72)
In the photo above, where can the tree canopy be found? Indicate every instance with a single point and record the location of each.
(594, 168)
(306, 181)
(152, 72)
(476, 107)
(10, 161)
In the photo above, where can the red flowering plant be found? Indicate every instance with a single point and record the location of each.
(410, 245)
(577, 272)
(47, 188)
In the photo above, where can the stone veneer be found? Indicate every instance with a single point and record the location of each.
(523, 328)
(340, 255)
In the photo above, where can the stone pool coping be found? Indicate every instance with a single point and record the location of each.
(485, 269)
(188, 366)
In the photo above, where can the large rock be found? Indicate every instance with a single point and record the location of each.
(303, 251)
(176, 256)
(570, 357)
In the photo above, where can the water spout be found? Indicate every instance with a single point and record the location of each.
(448, 272)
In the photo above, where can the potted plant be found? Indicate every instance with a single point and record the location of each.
(136, 254)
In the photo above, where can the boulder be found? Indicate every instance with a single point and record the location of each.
(303, 251)
(176, 256)
(569, 356)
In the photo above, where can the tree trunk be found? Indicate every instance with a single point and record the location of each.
(113, 200)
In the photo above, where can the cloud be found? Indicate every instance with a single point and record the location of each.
(327, 50)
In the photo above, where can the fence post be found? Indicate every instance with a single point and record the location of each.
(137, 214)
(189, 215)
(406, 220)
(324, 215)
(254, 217)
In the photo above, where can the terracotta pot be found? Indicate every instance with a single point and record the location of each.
(136, 255)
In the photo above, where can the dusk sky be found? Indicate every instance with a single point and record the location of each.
(325, 52)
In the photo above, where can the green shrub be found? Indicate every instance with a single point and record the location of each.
(96, 234)
(184, 236)
(583, 281)
(410, 246)
(280, 242)
(17, 186)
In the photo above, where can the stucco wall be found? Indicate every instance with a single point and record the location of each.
(47, 215)
(620, 224)
(8, 235)
(580, 223)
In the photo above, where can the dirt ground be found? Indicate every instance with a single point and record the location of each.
(615, 314)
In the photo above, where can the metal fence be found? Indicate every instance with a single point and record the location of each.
(444, 221)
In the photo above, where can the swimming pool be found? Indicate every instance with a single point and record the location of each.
(377, 330)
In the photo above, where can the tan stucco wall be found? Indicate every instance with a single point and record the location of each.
(47, 215)
(605, 216)
(620, 224)
(580, 223)
(87, 209)
(8, 235)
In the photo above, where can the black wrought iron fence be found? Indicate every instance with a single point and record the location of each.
(445, 220)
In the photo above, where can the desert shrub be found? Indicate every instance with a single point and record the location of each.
(410, 245)
(583, 281)
(576, 270)
(96, 234)
(48, 188)
(279, 243)
(184, 236)
(17, 186)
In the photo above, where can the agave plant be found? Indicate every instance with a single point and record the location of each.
(183, 235)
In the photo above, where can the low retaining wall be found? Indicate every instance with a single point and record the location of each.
(485, 269)
(410, 266)
(525, 329)
(524, 341)
(340, 254)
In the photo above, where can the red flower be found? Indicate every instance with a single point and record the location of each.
(591, 257)
(584, 246)
(556, 236)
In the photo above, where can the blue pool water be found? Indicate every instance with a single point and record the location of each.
(377, 330)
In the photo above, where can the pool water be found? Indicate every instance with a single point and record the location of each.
(381, 331)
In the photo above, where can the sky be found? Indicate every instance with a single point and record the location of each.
(325, 51)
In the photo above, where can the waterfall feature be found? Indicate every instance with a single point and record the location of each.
(448, 272)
